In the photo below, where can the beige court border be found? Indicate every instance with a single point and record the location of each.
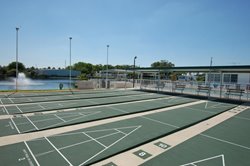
(128, 158)
(6, 140)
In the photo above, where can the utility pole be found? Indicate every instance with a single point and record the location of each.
(134, 72)
(107, 66)
(70, 38)
(17, 58)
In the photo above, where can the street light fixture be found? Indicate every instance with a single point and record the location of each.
(107, 66)
(70, 38)
(17, 28)
(134, 72)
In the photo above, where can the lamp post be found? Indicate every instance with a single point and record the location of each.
(17, 58)
(107, 66)
(70, 38)
(210, 76)
(134, 72)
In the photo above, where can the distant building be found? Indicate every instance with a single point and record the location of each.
(57, 73)
(114, 73)
(228, 78)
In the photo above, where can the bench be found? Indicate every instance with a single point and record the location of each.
(204, 89)
(179, 87)
(234, 92)
(160, 85)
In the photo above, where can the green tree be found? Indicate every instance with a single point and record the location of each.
(11, 73)
(3, 71)
(12, 65)
(162, 63)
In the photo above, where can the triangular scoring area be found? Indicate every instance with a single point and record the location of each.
(107, 141)
(104, 132)
(98, 134)
(127, 130)
(215, 160)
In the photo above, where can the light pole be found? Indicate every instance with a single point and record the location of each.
(17, 58)
(210, 76)
(134, 72)
(107, 66)
(70, 38)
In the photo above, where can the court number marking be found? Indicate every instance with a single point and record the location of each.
(142, 154)
(162, 145)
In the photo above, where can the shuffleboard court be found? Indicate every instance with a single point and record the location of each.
(227, 144)
(53, 93)
(67, 97)
(36, 122)
(90, 145)
(38, 107)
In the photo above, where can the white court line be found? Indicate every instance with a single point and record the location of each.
(71, 120)
(215, 106)
(240, 117)
(11, 100)
(19, 109)
(104, 136)
(170, 98)
(201, 110)
(58, 151)
(95, 140)
(29, 99)
(120, 131)
(1, 101)
(159, 122)
(6, 110)
(92, 131)
(31, 153)
(206, 105)
(117, 109)
(109, 146)
(44, 153)
(223, 160)
(58, 135)
(41, 106)
(31, 122)
(15, 125)
(221, 140)
(199, 161)
(35, 121)
(60, 118)
(72, 145)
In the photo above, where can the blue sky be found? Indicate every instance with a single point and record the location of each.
(185, 32)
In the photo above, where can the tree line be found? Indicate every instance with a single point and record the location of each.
(86, 69)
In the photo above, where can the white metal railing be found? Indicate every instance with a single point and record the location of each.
(191, 87)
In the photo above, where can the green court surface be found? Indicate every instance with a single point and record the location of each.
(56, 105)
(227, 144)
(44, 121)
(86, 146)
(53, 93)
(67, 97)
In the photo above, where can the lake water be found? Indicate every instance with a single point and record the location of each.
(28, 84)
